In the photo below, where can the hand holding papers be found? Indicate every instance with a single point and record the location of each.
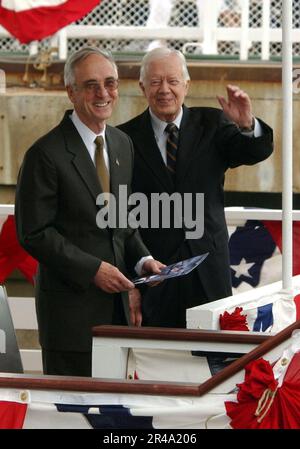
(176, 269)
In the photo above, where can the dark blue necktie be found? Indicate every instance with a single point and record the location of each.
(172, 146)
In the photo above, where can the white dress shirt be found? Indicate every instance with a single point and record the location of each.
(88, 136)
(160, 134)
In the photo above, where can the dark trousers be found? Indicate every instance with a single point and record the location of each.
(74, 363)
(67, 363)
(165, 305)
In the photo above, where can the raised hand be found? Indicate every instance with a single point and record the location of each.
(237, 107)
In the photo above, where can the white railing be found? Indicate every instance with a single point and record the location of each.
(23, 314)
(232, 214)
(23, 308)
(206, 35)
(122, 352)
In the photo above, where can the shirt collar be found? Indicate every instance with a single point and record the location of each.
(159, 126)
(88, 136)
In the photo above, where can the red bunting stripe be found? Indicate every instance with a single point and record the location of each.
(37, 23)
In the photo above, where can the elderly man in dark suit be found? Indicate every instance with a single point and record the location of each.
(188, 150)
(81, 279)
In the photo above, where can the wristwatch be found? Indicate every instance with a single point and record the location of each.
(250, 129)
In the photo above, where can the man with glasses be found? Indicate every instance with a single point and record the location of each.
(82, 279)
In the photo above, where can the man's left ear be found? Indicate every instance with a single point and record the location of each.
(187, 85)
(142, 87)
(70, 92)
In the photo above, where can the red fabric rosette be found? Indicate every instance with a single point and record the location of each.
(261, 404)
(234, 321)
(12, 255)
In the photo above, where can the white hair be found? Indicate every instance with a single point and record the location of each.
(160, 53)
(80, 55)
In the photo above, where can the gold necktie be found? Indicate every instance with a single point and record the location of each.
(101, 168)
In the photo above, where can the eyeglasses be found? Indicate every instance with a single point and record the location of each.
(109, 84)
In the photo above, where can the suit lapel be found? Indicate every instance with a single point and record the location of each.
(81, 160)
(191, 132)
(147, 147)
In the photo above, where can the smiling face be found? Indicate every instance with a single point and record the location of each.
(94, 92)
(164, 87)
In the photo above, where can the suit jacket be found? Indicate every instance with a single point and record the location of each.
(56, 223)
(208, 145)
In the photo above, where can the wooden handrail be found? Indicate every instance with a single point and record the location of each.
(240, 363)
(88, 384)
(160, 333)
(83, 384)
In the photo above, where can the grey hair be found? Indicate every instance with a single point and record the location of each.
(160, 53)
(80, 55)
